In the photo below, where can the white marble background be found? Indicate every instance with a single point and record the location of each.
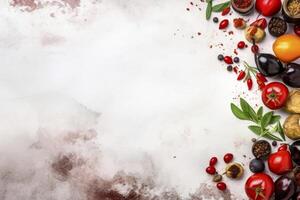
(153, 101)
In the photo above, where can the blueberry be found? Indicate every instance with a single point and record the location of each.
(229, 68)
(274, 143)
(236, 59)
(220, 57)
(257, 165)
(215, 19)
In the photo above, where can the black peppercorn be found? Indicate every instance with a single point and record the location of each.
(277, 26)
(220, 57)
(236, 59)
(261, 149)
(229, 68)
(215, 19)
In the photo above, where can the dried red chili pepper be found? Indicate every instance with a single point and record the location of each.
(241, 75)
(228, 60)
(236, 69)
(260, 23)
(225, 11)
(261, 77)
(249, 83)
(223, 24)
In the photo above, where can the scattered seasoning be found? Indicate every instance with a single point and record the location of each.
(293, 7)
(261, 149)
(187, 9)
(277, 26)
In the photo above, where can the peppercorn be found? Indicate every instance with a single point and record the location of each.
(229, 68)
(277, 26)
(220, 57)
(261, 149)
(236, 59)
(215, 19)
(274, 143)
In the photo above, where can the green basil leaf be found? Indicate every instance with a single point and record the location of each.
(220, 7)
(272, 137)
(238, 113)
(208, 10)
(274, 119)
(248, 110)
(265, 121)
(280, 130)
(260, 113)
(255, 129)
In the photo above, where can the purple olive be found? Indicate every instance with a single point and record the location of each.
(295, 151)
(285, 188)
(296, 196)
(291, 75)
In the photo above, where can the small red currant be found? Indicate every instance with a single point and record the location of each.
(221, 186)
(211, 170)
(213, 161)
(241, 45)
(228, 157)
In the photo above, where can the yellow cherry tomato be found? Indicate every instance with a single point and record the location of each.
(287, 48)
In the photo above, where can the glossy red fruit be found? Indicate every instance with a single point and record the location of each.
(274, 95)
(211, 170)
(268, 7)
(249, 83)
(254, 48)
(297, 29)
(260, 23)
(241, 75)
(280, 162)
(259, 186)
(221, 186)
(223, 24)
(228, 60)
(225, 11)
(213, 161)
(283, 147)
(228, 157)
(261, 78)
(241, 45)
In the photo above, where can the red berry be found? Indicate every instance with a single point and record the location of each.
(228, 60)
(249, 83)
(261, 78)
(225, 11)
(297, 29)
(255, 48)
(228, 157)
(223, 24)
(211, 170)
(241, 45)
(213, 161)
(221, 186)
(241, 75)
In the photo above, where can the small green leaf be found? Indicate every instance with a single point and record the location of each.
(260, 112)
(220, 7)
(272, 137)
(255, 129)
(274, 119)
(265, 121)
(280, 130)
(208, 10)
(238, 112)
(245, 106)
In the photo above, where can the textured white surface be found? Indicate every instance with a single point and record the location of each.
(152, 92)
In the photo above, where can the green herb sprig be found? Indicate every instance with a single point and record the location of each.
(265, 124)
(216, 8)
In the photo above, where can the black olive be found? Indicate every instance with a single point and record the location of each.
(268, 64)
(285, 188)
(295, 151)
(291, 76)
(257, 165)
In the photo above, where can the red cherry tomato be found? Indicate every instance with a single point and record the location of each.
(280, 162)
(274, 95)
(228, 157)
(241, 45)
(221, 186)
(268, 7)
(259, 186)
